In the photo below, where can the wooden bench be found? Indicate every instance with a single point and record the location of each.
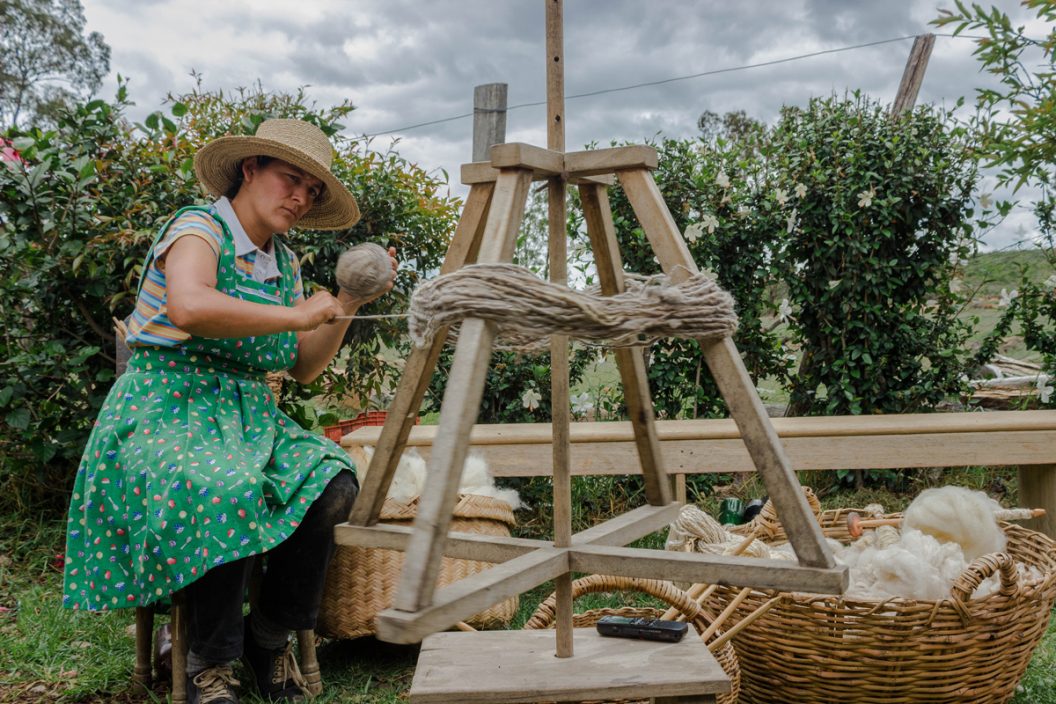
(1024, 439)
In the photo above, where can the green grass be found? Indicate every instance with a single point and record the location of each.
(48, 654)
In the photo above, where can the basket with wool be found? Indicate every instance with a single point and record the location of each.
(362, 581)
(814, 649)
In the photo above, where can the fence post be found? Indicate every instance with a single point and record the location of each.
(913, 75)
(489, 118)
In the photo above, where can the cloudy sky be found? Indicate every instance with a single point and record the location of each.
(405, 62)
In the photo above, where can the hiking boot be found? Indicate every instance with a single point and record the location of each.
(275, 672)
(213, 685)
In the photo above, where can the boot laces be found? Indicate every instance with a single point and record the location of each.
(286, 668)
(215, 684)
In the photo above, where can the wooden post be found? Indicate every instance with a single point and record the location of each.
(489, 118)
(558, 261)
(1037, 489)
(913, 75)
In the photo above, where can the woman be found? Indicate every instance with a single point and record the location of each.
(190, 468)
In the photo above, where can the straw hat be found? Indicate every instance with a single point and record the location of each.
(300, 143)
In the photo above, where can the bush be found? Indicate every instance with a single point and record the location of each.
(839, 232)
(77, 212)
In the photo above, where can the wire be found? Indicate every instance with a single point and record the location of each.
(663, 81)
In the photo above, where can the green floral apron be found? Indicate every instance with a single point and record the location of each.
(190, 463)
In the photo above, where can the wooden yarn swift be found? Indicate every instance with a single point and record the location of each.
(487, 233)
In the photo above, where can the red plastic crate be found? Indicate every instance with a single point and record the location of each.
(343, 427)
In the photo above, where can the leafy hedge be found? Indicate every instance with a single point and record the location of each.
(80, 205)
(840, 232)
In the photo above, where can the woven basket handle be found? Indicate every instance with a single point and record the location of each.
(665, 591)
(982, 568)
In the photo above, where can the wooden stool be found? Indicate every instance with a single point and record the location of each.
(519, 667)
(142, 676)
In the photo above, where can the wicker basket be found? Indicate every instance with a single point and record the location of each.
(666, 592)
(362, 581)
(812, 649)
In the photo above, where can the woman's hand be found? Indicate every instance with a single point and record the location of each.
(318, 310)
(351, 304)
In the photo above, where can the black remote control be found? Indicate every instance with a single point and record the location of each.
(643, 628)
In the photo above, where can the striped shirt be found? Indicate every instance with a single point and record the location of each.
(149, 323)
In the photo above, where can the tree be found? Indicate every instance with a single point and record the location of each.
(46, 60)
(1017, 120)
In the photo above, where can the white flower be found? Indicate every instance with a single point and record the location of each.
(912, 249)
(784, 311)
(710, 222)
(1044, 388)
(930, 303)
(865, 198)
(530, 399)
(1050, 282)
(581, 403)
(800, 190)
(722, 179)
(742, 211)
(957, 260)
(1007, 297)
(833, 283)
(955, 286)
(780, 196)
(693, 232)
(790, 221)
(986, 200)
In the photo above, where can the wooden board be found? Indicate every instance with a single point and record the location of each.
(495, 667)
(607, 161)
(805, 452)
(726, 429)
(694, 568)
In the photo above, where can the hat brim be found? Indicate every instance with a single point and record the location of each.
(217, 166)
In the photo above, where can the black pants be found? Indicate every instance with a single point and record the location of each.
(292, 587)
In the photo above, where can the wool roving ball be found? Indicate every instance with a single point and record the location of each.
(957, 515)
(363, 271)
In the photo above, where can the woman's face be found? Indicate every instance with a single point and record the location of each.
(278, 192)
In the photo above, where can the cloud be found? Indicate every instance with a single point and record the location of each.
(404, 62)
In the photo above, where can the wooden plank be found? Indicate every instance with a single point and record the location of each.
(459, 545)
(518, 155)
(460, 600)
(913, 74)
(558, 263)
(606, 161)
(732, 378)
(630, 362)
(483, 172)
(459, 409)
(504, 217)
(722, 456)
(629, 526)
(418, 370)
(519, 667)
(941, 424)
(1037, 489)
(693, 568)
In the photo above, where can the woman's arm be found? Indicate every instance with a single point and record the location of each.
(316, 349)
(196, 307)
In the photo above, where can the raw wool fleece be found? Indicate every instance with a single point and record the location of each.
(409, 480)
(954, 514)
